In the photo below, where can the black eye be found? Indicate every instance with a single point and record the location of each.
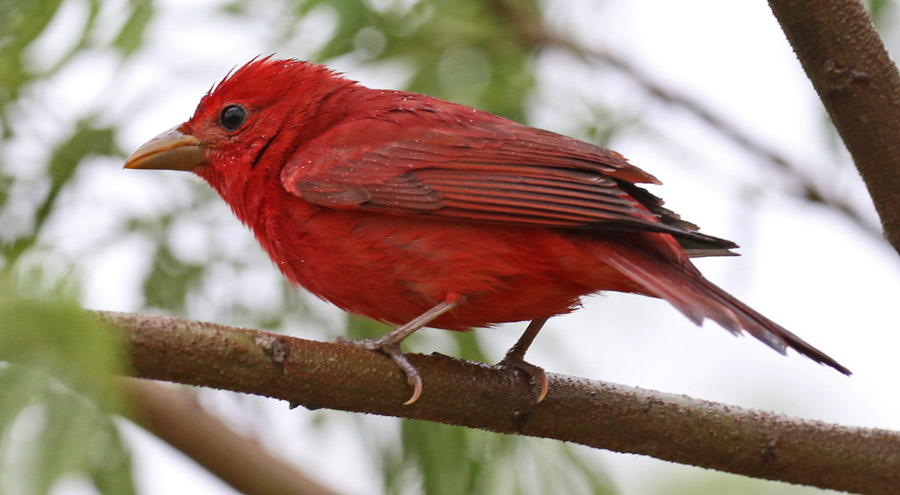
(233, 117)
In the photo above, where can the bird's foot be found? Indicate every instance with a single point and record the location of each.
(392, 349)
(537, 374)
(390, 343)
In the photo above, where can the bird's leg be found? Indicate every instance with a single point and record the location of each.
(389, 343)
(515, 356)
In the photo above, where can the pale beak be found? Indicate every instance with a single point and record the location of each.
(174, 149)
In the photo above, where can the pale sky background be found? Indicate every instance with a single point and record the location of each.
(802, 265)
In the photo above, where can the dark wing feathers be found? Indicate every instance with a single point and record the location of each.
(475, 166)
(548, 201)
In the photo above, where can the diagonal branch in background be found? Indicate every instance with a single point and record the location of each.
(807, 187)
(533, 32)
(614, 417)
(858, 83)
(178, 419)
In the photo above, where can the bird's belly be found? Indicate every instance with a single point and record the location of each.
(394, 268)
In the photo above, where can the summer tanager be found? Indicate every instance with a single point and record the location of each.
(415, 211)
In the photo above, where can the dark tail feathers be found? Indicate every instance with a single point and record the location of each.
(698, 298)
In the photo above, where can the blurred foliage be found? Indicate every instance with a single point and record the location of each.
(23, 21)
(57, 368)
(447, 460)
(461, 50)
(84, 141)
(881, 10)
(170, 280)
(55, 363)
(687, 483)
(131, 36)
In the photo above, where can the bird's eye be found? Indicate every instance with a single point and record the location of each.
(233, 117)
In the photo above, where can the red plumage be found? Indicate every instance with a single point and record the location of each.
(389, 204)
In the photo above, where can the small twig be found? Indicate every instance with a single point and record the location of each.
(614, 417)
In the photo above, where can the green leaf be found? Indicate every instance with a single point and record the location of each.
(465, 51)
(5, 183)
(51, 333)
(170, 280)
(85, 141)
(880, 11)
(131, 37)
(21, 22)
(49, 431)
(57, 368)
(446, 460)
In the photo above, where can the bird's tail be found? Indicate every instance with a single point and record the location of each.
(684, 287)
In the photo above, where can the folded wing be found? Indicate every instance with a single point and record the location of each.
(472, 166)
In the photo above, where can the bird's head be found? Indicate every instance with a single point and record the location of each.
(249, 123)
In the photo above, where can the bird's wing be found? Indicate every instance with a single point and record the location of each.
(481, 168)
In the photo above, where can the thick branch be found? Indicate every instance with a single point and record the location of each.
(613, 417)
(843, 56)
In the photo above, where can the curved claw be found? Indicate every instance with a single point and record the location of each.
(537, 374)
(416, 382)
(545, 386)
(412, 374)
(390, 343)
(393, 351)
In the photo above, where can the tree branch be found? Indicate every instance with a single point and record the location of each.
(247, 466)
(858, 83)
(614, 417)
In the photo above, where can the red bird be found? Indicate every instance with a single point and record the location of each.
(415, 211)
